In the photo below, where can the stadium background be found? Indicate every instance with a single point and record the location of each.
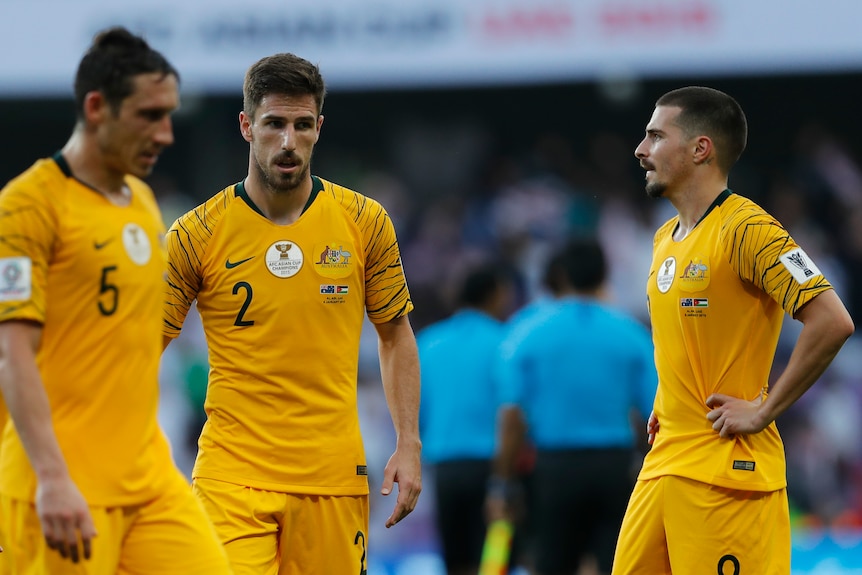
(496, 128)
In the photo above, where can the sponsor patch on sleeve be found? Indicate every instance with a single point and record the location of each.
(15, 278)
(799, 265)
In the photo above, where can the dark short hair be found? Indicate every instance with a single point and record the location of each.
(111, 63)
(710, 112)
(554, 278)
(284, 74)
(482, 283)
(580, 264)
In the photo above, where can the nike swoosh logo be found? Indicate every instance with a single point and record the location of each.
(100, 245)
(230, 265)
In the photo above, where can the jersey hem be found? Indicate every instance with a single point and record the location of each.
(286, 487)
(720, 481)
(128, 501)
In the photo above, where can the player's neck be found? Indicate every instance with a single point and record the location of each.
(281, 207)
(88, 166)
(692, 202)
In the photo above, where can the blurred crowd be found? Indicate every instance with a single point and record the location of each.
(458, 198)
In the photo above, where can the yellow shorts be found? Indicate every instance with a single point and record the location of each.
(170, 535)
(680, 526)
(272, 533)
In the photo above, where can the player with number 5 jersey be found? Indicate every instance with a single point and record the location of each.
(284, 266)
(87, 482)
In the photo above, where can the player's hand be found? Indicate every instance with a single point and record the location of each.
(732, 415)
(405, 469)
(65, 517)
(652, 427)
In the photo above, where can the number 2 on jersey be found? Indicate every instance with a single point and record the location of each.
(240, 317)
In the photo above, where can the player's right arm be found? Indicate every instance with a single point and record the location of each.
(185, 244)
(177, 301)
(29, 218)
(62, 509)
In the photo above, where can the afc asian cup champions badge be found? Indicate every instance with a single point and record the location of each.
(284, 259)
(664, 275)
(136, 243)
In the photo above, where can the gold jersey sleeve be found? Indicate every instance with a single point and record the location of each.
(386, 293)
(90, 273)
(282, 309)
(717, 300)
(769, 257)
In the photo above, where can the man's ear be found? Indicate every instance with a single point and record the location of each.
(245, 126)
(704, 150)
(319, 126)
(95, 107)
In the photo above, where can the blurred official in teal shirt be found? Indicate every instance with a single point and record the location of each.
(576, 378)
(458, 413)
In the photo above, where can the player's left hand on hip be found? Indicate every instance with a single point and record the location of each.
(732, 415)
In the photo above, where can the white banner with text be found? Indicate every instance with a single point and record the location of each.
(378, 44)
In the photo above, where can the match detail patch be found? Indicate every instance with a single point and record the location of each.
(15, 278)
(799, 265)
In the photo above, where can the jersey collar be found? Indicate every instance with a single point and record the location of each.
(316, 188)
(62, 164)
(715, 203)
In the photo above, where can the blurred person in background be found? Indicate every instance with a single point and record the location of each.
(458, 412)
(87, 479)
(723, 274)
(577, 377)
(284, 266)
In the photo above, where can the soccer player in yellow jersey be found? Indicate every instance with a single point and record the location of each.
(284, 266)
(711, 495)
(87, 482)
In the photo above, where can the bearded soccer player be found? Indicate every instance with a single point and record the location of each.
(87, 481)
(284, 265)
(711, 495)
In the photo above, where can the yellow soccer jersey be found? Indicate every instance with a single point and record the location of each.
(92, 274)
(717, 300)
(282, 309)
